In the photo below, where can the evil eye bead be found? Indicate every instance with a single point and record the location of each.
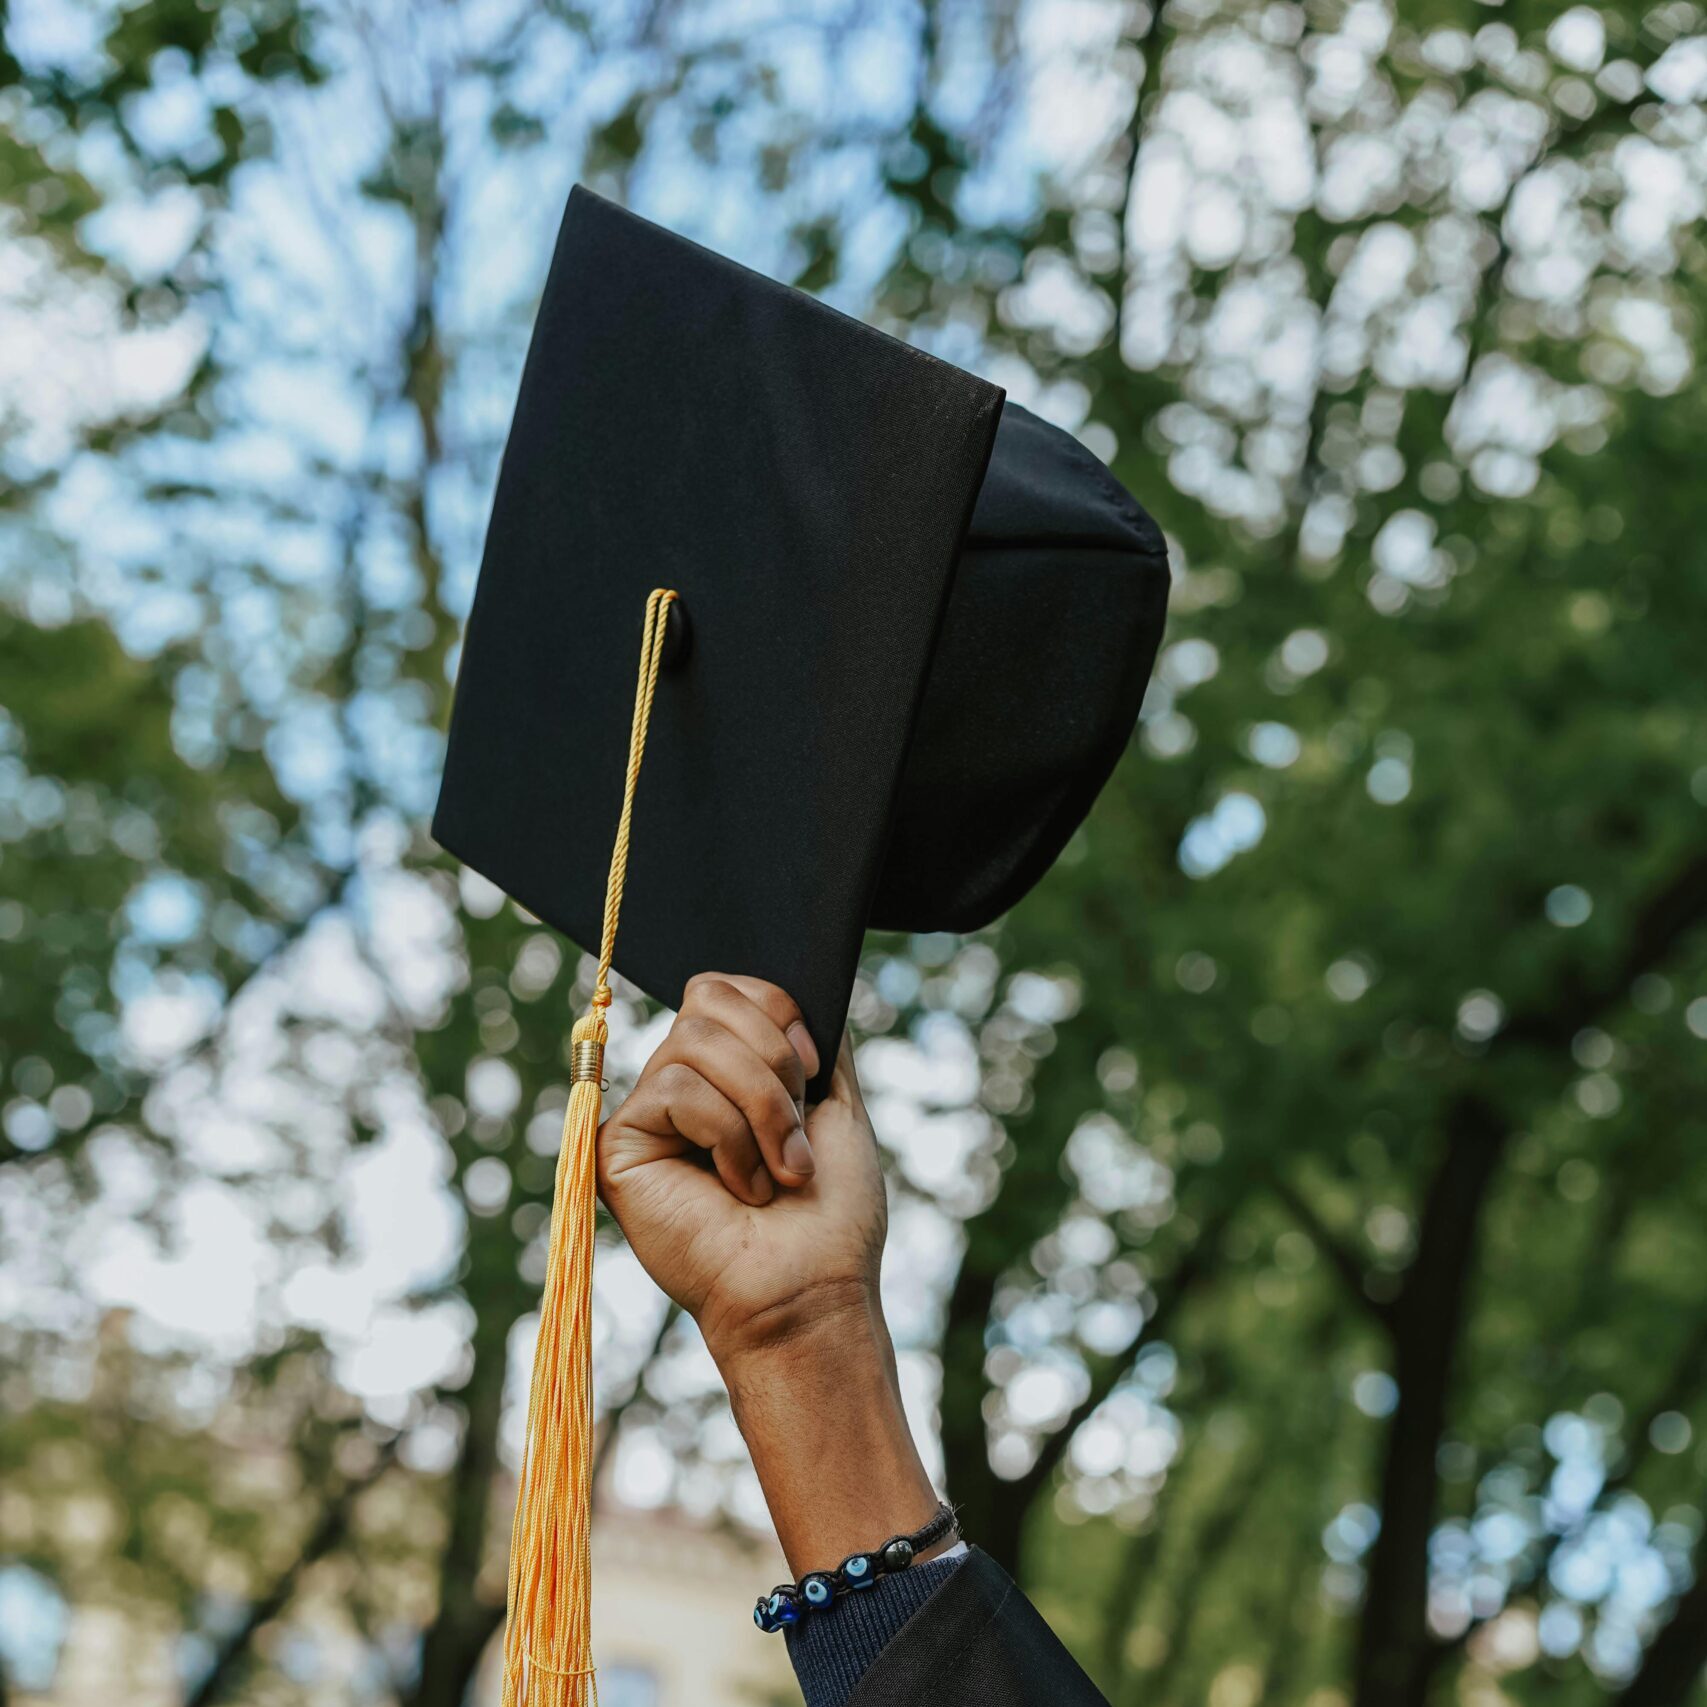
(818, 1591)
(784, 1609)
(898, 1555)
(859, 1571)
(762, 1617)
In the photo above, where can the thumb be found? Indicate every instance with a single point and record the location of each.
(844, 1080)
(849, 1180)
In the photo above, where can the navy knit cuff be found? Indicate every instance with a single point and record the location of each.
(831, 1650)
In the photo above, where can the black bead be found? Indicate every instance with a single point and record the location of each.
(898, 1555)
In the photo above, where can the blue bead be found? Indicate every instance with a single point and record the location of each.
(857, 1572)
(761, 1618)
(818, 1591)
(785, 1609)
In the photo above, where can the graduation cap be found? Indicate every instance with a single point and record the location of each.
(893, 633)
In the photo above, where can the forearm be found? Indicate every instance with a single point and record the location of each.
(820, 1410)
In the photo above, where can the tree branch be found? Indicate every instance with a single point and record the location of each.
(328, 1534)
(1674, 910)
(1395, 1652)
(1397, 1655)
(620, 1407)
(1675, 1393)
(1128, 1586)
(1032, 1195)
(468, 1612)
(1217, 1533)
(1013, 1501)
(1672, 1666)
(1149, 44)
(1341, 1257)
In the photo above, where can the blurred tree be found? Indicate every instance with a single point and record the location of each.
(1316, 1154)
(1392, 971)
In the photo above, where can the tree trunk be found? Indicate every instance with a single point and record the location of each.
(468, 1610)
(1671, 1668)
(1396, 1653)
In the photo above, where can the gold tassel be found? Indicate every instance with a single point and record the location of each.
(548, 1652)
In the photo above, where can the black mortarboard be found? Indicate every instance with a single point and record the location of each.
(912, 662)
(912, 630)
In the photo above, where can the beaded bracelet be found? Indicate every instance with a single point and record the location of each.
(817, 1590)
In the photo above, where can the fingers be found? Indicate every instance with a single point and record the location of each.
(775, 1005)
(728, 1080)
(747, 1080)
(687, 1103)
(760, 1017)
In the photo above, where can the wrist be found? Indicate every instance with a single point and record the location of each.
(826, 1324)
(820, 1409)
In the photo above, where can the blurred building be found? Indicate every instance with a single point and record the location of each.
(671, 1599)
(671, 1615)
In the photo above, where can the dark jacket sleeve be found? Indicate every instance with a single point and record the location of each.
(832, 1650)
(977, 1642)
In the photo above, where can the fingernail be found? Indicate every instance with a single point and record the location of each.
(804, 1047)
(797, 1153)
(761, 1184)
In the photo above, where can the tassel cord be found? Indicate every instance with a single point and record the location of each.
(548, 1625)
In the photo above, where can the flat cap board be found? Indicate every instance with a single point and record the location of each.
(805, 482)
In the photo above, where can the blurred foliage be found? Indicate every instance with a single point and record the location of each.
(1328, 1322)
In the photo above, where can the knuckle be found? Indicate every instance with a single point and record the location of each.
(782, 1061)
(676, 1080)
(602, 1158)
(781, 1004)
(775, 1116)
(696, 1035)
(617, 1147)
(703, 986)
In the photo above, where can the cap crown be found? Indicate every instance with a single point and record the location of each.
(805, 483)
